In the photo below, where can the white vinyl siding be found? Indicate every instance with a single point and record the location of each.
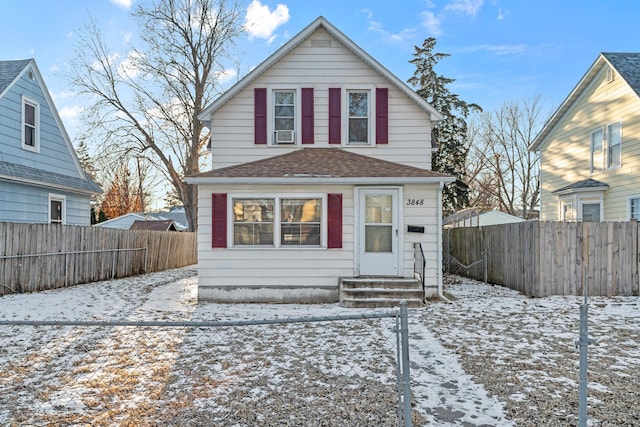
(295, 267)
(321, 68)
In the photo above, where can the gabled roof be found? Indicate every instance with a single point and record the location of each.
(154, 225)
(627, 65)
(319, 165)
(585, 185)
(122, 222)
(10, 71)
(320, 22)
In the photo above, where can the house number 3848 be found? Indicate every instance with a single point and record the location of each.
(415, 202)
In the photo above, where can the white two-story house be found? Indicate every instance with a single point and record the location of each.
(321, 171)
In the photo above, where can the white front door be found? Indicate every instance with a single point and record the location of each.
(378, 232)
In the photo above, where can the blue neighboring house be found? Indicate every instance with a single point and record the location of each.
(41, 179)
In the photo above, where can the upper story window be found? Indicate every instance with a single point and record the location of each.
(597, 153)
(614, 137)
(359, 112)
(30, 124)
(284, 116)
(606, 147)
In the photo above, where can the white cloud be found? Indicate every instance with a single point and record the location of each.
(513, 49)
(502, 14)
(260, 22)
(466, 7)
(68, 114)
(126, 36)
(127, 68)
(226, 75)
(403, 35)
(125, 4)
(431, 22)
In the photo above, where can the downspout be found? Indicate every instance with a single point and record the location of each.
(439, 270)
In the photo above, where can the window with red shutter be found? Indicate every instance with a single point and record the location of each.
(219, 220)
(334, 221)
(307, 116)
(334, 116)
(382, 115)
(260, 115)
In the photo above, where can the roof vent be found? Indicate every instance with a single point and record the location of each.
(610, 75)
(31, 74)
(320, 43)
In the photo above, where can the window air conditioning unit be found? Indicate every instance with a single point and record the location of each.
(285, 137)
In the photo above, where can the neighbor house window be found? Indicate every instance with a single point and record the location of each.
(359, 111)
(57, 209)
(591, 212)
(296, 222)
(30, 127)
(613, 145)
(284, 116)
(597, 146)
(566, 212)
(634, 208)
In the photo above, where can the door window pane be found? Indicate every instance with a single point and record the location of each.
(378, 238)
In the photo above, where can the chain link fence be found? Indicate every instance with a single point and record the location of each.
(340, 370)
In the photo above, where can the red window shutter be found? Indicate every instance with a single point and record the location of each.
(334, 221)
(307, 115)
(334, 116)
(219, 220)
(260, 115)
(382, 115)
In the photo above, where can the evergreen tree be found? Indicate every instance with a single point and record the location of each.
(451, 132)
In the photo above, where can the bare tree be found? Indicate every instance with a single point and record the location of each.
(147, 102)
(501, 171)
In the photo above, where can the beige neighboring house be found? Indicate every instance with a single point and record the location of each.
(590, 148)
(321, 171)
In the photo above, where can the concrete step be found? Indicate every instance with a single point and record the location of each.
(378, 303)
(373, 292)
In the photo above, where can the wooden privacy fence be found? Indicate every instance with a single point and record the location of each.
(34, 257)
(554, 258)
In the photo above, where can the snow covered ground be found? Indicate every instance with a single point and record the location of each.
(490, 357)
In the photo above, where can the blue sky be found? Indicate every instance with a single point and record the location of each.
(500, 50)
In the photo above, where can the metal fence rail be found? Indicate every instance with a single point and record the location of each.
(340, 370)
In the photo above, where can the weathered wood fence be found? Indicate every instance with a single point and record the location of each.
(554, 258)
(35, 257)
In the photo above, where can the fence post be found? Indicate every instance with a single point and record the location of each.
(406, 375)
(485, 267)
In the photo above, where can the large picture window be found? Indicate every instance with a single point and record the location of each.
(300, 222)
(253, 222)
(297, 221)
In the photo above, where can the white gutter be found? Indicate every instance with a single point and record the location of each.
(439, 270)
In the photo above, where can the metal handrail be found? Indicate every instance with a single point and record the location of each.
(419, 263)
